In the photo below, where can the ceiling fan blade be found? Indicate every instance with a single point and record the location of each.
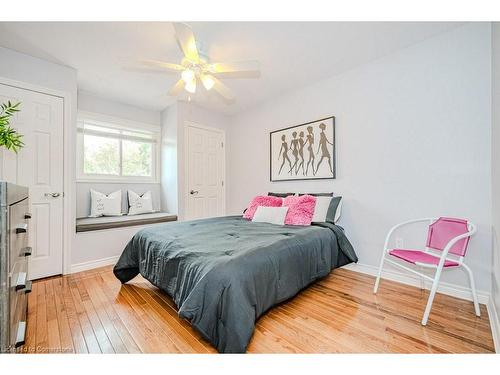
(177, 88)
(162, 65)
(237, 69)
(135, 69)
(223, 90)
(186, 41)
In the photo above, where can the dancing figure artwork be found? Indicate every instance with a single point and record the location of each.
(304, 152)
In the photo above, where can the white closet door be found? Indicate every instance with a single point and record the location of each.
(39, 165)
(205, 167)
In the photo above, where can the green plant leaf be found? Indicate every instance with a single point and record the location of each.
(9, 137)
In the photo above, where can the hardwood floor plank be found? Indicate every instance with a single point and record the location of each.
(54, 339)
(180, 336)
(155, 327)
(358, 317)
(62, 318)
(98, 328)
(74, 323)
(168, 304)
(394, 311)
(88, 333)
(101, 308)
(30, 345)
(119, 325)
(42, 340)
(143, 335)
(92, 312)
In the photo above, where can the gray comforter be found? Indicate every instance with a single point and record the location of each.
(223, 273)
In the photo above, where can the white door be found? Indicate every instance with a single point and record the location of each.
(39, 165)
(205, 172)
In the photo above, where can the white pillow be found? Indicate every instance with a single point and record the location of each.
(105, 205)
(272, 215)
(321, 209)
(139, 204)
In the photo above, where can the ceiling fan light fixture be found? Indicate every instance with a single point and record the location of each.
(191, 86)
(196, 68)
(208, 81)
(188, 76)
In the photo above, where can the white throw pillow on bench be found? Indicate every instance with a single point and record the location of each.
(139, 204)
(105, 205)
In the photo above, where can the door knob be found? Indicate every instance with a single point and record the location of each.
(53, 195)
(193, 192)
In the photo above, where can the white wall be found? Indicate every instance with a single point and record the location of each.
(495, 170)
(413, 140)
(169, 160)
(101, 247)
(174, 120)
(91, 103)
(24, 68)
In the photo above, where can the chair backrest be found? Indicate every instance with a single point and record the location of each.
(443, 230)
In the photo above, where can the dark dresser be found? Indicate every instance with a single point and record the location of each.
(14, 255)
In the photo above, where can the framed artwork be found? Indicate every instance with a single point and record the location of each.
(304, 152)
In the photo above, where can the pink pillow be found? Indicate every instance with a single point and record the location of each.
(261, 200)
(300, 209)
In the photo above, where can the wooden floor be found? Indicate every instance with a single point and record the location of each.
(91, 312)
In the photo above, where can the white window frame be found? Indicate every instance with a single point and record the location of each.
(121, 124)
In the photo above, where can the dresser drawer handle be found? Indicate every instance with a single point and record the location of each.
(27, 288)
(26, 251)
(21, 333)
(21, 228)
(27, 215)
(21, 281)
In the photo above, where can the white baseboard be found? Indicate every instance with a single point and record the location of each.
(78, 267)
(404, 278)
(494, 323)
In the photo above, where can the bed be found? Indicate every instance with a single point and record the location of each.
(223, 273)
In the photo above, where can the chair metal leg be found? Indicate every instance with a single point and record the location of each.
(473, 289)
(434, 288)
(377, 281)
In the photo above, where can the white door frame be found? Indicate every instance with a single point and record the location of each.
(192, 124)
(69, 218)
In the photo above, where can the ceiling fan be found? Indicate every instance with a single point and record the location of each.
(197, 70)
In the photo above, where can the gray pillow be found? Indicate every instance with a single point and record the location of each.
(318, 194)
(332, 209)
(280, 195)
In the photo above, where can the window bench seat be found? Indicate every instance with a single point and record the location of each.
(86, 224)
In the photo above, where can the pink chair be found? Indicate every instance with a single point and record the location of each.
(446, 246)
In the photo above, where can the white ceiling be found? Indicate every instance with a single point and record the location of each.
(291, 54)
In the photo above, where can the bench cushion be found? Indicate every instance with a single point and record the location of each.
(86, 224)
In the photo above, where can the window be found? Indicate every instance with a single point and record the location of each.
(117, 150)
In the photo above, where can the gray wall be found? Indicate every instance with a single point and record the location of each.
(413, 140)
(495, 167)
